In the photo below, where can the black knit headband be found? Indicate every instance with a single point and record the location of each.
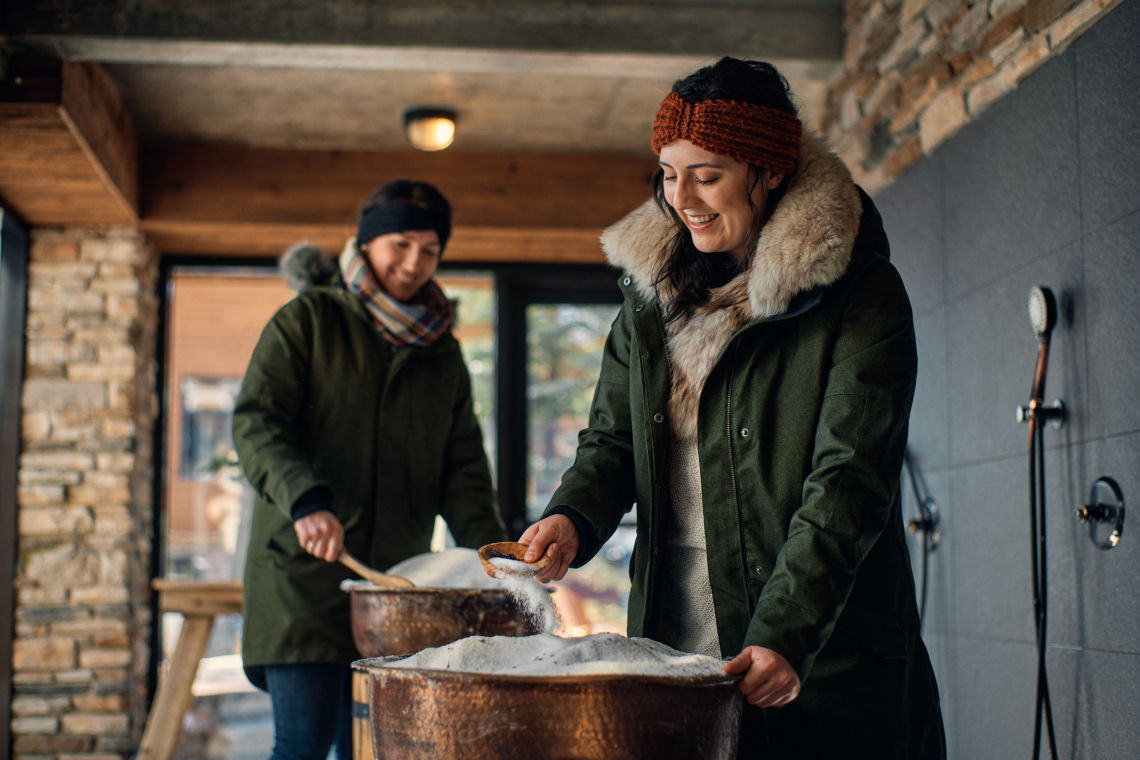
(401, 217)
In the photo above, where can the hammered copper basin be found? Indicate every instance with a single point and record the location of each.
(421, 714)
(389, 621)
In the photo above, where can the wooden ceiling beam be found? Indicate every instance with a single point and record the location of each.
(68, 154)
(469, 244)
(226, 200)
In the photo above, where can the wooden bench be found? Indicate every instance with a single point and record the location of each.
(199, 603)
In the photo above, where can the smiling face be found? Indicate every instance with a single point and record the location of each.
(710, 193)
(403, 261)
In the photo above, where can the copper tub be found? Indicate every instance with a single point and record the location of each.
(389, 621)
(419, 713)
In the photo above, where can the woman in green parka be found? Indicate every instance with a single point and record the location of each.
(753, 404)
(355, 427)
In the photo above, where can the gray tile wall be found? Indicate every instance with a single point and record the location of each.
(1044, 189)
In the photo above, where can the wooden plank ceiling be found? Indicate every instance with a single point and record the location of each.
(68, 156)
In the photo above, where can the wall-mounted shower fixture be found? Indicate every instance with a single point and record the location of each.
(1043, 318)
(1095, 513)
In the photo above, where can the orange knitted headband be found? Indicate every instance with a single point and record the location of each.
(753, 134)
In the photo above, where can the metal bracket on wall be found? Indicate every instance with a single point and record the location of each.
(1054, 413)
(928, 525)
(1095, 513)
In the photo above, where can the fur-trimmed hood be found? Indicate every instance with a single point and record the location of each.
(304, 265)
(806, 244)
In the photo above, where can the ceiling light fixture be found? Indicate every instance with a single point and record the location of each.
(429, 128)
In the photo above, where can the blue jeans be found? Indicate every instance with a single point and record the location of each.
(312, 710)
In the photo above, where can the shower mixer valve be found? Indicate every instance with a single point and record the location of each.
(1094, 513)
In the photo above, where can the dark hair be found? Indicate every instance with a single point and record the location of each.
(690, 272)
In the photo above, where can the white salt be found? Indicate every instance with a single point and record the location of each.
(545, 654)
(451, 568)
(460, 568)
(457, 567)
(533, 600)
(506, 566)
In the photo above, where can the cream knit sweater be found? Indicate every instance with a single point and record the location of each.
(687, 618)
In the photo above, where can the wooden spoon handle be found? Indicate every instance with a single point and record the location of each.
(374, 576)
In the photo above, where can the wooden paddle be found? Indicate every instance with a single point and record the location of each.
(373, 576)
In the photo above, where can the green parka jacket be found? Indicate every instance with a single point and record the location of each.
(797, 380)
(326, 401)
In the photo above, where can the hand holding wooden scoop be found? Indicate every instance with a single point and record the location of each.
(505, 558)
(374, 577)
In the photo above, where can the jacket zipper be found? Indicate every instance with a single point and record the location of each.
(739, 513)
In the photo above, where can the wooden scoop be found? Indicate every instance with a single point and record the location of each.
(508, 550)
(374, 577)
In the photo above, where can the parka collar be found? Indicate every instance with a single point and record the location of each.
(805, 245)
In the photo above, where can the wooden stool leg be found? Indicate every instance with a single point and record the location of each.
(164, 725)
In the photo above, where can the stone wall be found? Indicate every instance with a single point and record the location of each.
(81, 647)
(914, 72)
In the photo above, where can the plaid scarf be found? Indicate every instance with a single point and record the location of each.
(418, 322)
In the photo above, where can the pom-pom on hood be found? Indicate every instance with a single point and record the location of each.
(304, 265)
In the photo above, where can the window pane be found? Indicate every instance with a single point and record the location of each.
(214, 319)
(564, 355)
(474, 294)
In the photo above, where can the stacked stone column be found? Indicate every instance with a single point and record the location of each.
(915, 72)
(85, 511)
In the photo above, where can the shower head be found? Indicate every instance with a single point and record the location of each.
(1042, 311)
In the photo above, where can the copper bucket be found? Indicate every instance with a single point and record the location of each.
(420, 713)
(402, 621)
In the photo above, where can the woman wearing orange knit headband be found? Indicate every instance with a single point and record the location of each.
(753, 404)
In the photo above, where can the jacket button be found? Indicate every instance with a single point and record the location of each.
(639, 307)
(659, 418)
(626, 281)
(760, 571)
(743, 432)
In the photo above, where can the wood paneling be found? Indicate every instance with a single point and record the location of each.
(480, 244)
(68, 155)
(508, 207)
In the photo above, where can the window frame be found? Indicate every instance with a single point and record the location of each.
(13, 321)
(516, 288)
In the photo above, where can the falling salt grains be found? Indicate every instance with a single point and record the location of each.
(533, 599)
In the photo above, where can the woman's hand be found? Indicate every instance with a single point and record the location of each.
(557, 537)
(320, 534)
(769, 681)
